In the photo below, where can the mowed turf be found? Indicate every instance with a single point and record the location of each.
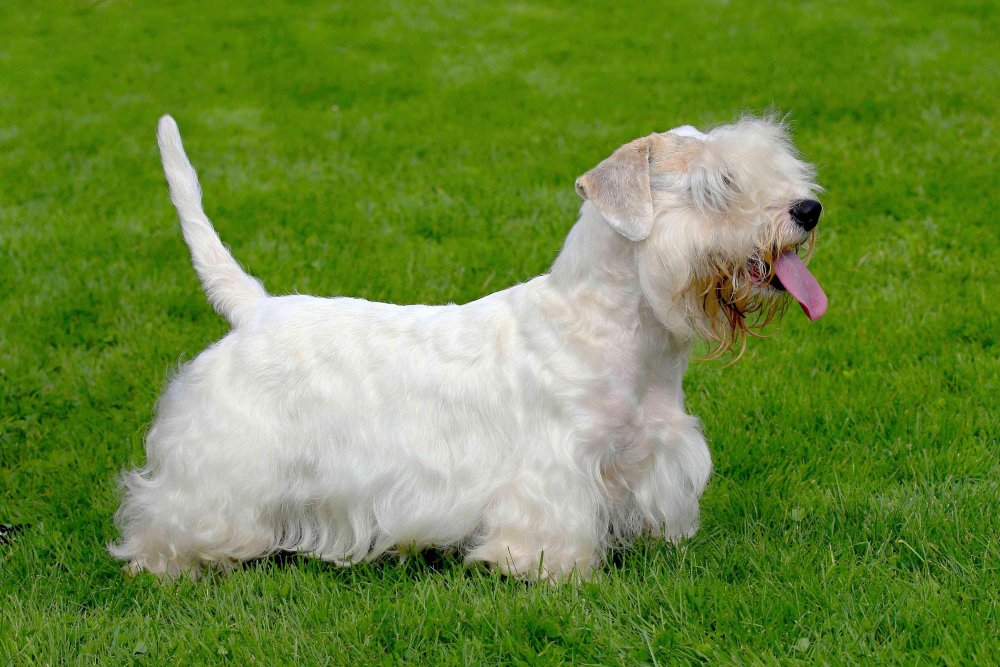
(428, 155)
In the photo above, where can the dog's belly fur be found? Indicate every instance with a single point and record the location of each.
(344, 428)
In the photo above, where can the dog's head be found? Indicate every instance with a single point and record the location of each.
(719, 221)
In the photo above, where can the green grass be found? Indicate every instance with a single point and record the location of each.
(428, 155)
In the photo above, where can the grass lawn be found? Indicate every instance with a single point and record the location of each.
(428, 155)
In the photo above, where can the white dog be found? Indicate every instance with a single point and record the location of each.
(531, 429)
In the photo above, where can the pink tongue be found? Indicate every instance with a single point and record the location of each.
(794, 275)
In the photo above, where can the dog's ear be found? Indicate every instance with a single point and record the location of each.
(619, 188)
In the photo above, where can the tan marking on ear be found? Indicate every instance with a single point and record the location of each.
(619, 188)
(671, 154)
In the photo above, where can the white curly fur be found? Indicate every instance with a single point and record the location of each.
(531, 429)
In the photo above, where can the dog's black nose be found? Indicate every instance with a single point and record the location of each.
(806, 213)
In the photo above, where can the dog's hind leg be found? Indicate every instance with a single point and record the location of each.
(192, 505)
(170, 531)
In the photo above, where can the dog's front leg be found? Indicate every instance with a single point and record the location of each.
(667, 491)
(545, 524)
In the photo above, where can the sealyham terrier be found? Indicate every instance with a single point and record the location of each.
(532, 429)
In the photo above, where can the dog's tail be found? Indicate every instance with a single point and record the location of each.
(231, 291)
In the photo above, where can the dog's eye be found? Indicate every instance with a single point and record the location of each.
(727, 180)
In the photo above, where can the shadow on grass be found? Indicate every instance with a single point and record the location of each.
(435, 562)
(413, 566)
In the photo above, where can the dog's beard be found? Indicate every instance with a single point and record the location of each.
(736, 299)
